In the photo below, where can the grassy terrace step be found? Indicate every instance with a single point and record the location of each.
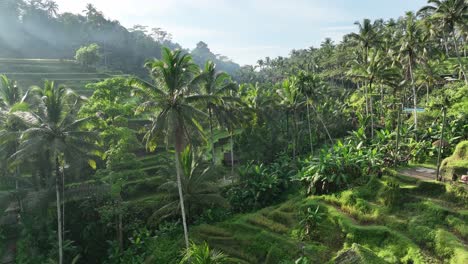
(141, 187)
(425, 229)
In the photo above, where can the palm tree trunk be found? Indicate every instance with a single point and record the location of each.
(178, 148)
(120, 229)
(232, 155)
(427, 94)
(415, 99)
(63, 204)
(310, 128)
(213, 152)
(323, 124)
(445, 44)
(462, 67)
(382, 112)
(294, 134)
(59, 214)
(371, 110)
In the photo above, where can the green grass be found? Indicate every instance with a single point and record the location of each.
(424, 227)
(29, 72)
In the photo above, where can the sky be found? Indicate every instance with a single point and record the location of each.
(248, 30)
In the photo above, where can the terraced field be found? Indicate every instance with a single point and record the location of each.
(429, 228)
(28, 72)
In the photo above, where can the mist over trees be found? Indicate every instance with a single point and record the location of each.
(36, 29)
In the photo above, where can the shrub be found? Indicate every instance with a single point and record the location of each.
(449, 247)
(88, 55)
(391, 194)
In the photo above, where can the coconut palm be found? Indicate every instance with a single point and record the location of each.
(171, 101)
(311, 86)
(55, 129)
(12, 100)
(291, 100)
(215, 84)
(198, 184)
(410, 50)
(366, 37)
(202, 254)
(448, 14)
(376, 70)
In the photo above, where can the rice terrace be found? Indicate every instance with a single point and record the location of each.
(218, 132)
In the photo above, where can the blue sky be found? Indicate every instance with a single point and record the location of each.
(247, 30)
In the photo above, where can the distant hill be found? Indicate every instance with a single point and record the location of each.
(28, 72)
(35, 29)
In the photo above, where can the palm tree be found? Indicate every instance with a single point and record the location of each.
(376, 70)
(202, 254)
(172, 101)
(409, 54)
(198, 185)
(55, 129)
(215, 84)
(448, 14)
(291, 100)
(367, 36)
(11, 100)
(311, 86)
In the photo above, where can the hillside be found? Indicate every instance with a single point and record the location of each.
(28, 72)
(428, 227)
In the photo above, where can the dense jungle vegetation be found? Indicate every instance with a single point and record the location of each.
(119, 146)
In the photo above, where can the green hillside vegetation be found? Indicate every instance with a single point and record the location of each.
(328, 155)
(29, 72)
(426, 228)
(457, 164)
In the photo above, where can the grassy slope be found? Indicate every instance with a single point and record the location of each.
(30, 72)
(425, 228)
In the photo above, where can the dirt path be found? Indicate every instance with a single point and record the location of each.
(420, 173)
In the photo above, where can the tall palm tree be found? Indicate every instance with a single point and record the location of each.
(311, 86)
(198, 185)
(448, 14)
(55, 129)
(12, 100)
(291, 100)
(172, 101)
(376, 70)
(215, 84)
(410, 50)
(367, 37)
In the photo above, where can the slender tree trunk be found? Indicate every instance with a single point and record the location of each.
(213, 152)
(120, 228)
(462, 67)
(295, 134)
(18, 174)
(59, 214)
(63, 203)
(382, 112)
(446, 44)
(397, 151)
(427, 94)
(371, 109)
(367, 100)
(178, 148)
(310, 128)
(232, 155)
(415, 99)
(444, 111)
(323, 124)
(287, 131)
